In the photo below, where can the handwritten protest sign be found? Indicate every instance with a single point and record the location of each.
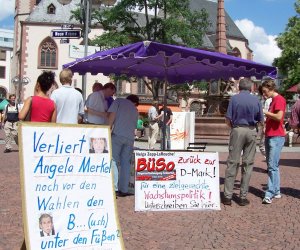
(67, 188)
(176, 181)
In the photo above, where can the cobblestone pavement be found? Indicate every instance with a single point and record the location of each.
(257, 226)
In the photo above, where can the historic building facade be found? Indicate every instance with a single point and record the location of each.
(36, 50)
(6, 52)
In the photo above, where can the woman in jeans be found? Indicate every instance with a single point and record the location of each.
(275, 138)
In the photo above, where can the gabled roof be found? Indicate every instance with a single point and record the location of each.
(212, 9)
(62, 12)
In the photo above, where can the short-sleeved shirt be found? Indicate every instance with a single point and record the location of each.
(244, 109)
(97, 102)
(139, 124)
(69, 104)
(276, 128)
(126, 118)
(169, 113)
(152, 113)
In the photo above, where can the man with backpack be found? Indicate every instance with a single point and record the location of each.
(11, 119)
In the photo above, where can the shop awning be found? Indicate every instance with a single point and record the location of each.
(143, 108)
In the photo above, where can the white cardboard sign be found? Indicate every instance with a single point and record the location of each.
(67, 187)
(166, 180)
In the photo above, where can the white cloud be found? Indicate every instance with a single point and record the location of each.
(7, 8)
(263, 45)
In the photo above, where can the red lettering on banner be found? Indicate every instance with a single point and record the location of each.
(209, 162)
(154, 165)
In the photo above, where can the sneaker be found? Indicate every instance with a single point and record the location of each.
(277, 196)
(7, 150)
(267, 200)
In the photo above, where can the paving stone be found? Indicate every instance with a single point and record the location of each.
(257, 226)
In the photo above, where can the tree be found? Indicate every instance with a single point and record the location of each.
(166, 21)
(289, 61)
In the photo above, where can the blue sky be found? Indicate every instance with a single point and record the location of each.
(272, 15)
(259, 20)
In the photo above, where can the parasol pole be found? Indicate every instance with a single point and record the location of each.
(164, 107)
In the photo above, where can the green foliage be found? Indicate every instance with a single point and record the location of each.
(170, 21)
(289, 61)
(165, 21)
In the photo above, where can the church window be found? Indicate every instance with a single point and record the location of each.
(237, 52)
(48, 54)
(2, 72)
(119, 89)
(141, 86)
(51, 9)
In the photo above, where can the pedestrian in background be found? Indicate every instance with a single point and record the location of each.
(10, 121)
(294, 120)
(167, 119)
(123, 116)
(42, 108)
(97, 104)
(275, 138)
(243, 115)
(153, 124)
(68, 101)
(266, 105)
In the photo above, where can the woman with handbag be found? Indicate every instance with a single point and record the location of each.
(40, 108)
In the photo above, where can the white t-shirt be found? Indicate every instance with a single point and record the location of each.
(69, 104)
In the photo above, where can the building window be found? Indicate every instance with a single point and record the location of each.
(141, 87)
(119, 87)
(237, 52)
(51, 9)
(161, 90)
(48, 54)
(3, 93)
(2, 72)
(2, 55)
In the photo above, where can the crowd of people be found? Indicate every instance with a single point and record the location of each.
(245, 116)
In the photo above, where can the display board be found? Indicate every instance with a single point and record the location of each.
(67, 187)
(182, 130)
(168, 180)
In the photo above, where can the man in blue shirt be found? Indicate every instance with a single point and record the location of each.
(243, 115)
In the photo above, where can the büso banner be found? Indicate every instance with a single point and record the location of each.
(168, 181)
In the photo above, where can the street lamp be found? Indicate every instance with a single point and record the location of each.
(19, 82)
(87, 8)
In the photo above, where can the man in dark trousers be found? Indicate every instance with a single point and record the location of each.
(123, 116)
(168, 121)
(243, 115)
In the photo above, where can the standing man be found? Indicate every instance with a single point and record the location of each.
(123, 116)
(168, 120)
(97, 105)
(68, 101)
(153, 125)
(10, 120)
(243, 115)
(275, 138)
